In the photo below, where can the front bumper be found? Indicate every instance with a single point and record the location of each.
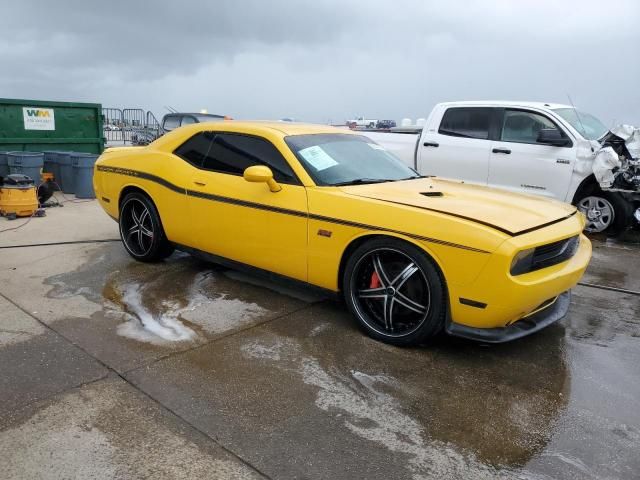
(497, 299)
(523, 327)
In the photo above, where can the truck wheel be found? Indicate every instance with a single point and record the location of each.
(607, 212)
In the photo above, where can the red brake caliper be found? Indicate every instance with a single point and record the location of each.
(375, 281)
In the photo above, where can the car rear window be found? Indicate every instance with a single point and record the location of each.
(468, 122)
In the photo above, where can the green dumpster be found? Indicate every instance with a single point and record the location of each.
(38, 126)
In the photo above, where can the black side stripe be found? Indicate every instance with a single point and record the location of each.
(244, 203)
(552, 222)
(284, 211)
(143, 175)
(463, 217)
(364, 226)
(475, 220)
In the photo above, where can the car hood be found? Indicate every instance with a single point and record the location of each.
(510, 213)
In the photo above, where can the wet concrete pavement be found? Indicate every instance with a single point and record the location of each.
(115, 369)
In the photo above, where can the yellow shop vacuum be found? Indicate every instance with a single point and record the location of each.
(18, 196)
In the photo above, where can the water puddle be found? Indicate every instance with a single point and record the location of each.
(367, 405)
(164, 311)
(143, 325)
(181, 300)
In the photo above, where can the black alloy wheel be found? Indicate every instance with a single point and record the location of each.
(141, 229)
(395, 292)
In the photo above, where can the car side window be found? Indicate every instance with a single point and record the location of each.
(523, 127)
(233, 153)
(171, 122)
(467, 122)
(196, 149)
(188, 120)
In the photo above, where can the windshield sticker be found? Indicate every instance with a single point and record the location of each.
(375, 146)
(318, 158)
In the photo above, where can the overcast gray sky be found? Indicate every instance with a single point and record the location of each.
(323, 59)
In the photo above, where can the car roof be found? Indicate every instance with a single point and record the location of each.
(257, 127)
(176, 114)
(285, 128)
(505, 103)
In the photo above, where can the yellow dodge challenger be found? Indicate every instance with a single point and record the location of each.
(411, 256)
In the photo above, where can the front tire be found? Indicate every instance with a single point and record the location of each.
(141, 229)
(395, 291)
(606, 212)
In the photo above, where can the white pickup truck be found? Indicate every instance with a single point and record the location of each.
(539, 148)
(362, 122)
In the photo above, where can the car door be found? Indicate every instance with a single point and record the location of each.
(519, 162)
(244, 221)
(457, 148)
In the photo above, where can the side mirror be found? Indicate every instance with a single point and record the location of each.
(261, 174)
(553, 137)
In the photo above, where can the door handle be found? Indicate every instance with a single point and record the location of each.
(431, 144)
(200, 184)
(501, 150)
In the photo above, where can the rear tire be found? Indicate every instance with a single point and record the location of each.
(141, 229)
(395, 291)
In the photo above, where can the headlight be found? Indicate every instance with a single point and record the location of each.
(522, 262)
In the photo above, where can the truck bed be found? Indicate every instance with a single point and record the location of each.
(402, 145)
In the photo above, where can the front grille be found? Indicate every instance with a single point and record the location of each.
(553, 253)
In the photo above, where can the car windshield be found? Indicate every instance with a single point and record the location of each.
(586, 124)
(342, 159)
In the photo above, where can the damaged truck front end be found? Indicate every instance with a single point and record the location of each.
(615, 162)
(608, 161)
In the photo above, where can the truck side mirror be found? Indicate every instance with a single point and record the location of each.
(553, 137)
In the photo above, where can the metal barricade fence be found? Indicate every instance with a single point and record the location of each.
(133, 119)
(129, 126)
(112, 124)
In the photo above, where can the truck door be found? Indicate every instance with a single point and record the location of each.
(519, 162)
(458, 146)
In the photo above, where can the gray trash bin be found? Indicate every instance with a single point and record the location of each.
(27, 163)
(83, 174)
(51, 166)
(50, 159)
(66, 181)
(4, 164)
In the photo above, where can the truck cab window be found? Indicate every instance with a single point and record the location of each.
(171, 122)
(469, 122)
(523, 127)
(188, 120)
